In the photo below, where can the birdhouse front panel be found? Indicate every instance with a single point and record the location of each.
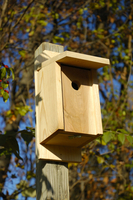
(78, 101)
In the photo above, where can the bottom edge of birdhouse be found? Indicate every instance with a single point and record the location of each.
(70, 139)
(64, 147)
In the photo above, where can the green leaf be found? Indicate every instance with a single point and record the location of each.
(26, 190)
(30, 175)
(103, 143)
(29, 192)
(57, 39)
(126, 51)
(22, 185)
(124, 113)
(102, 3)
(81, 11)
(28, 30)
(56, 16)
(8, 72)
(100, 36)
(64, 34)
(130, 139)
(3, 151)
(31, 33)
(23, 110)
(78, 25)
(10, 144)
(121, 137)
(1, 92)
(107, 136)
(42, 22)
(96, 5)
(98, 139)
(100, 159)
(122, 131)
(4, 85)
(5, 96)
(27, 17)
(16, 197)
(112, 166)
(127, 58)
(129, 165)
(22, 53)
(3, 72)
(132, 188)
(113, 41)
(27, 136)
(13, 76)
(11, 133)
(9, 113)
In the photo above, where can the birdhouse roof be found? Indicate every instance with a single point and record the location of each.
(78, 60)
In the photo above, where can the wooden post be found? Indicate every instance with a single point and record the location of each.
(52, 181)
(68, 114)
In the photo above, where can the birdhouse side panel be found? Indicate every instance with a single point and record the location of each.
(97, 105)
(49, 105)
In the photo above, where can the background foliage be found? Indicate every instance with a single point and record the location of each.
(95, 27)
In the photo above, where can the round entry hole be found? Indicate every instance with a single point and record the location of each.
(75, 85)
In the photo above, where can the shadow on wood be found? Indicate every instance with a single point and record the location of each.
(52, 180)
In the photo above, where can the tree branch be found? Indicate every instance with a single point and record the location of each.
(3, 11)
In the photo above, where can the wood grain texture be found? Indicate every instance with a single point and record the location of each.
(82, 106)
(70, 140)
(49, 116)
(51, 178)
(96, 99)
(62, 153)
(50, 107)
(48, 47)
(52, 181)
(43, 57)
(45, 114)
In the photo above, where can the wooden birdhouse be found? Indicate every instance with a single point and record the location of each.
(68, 113)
